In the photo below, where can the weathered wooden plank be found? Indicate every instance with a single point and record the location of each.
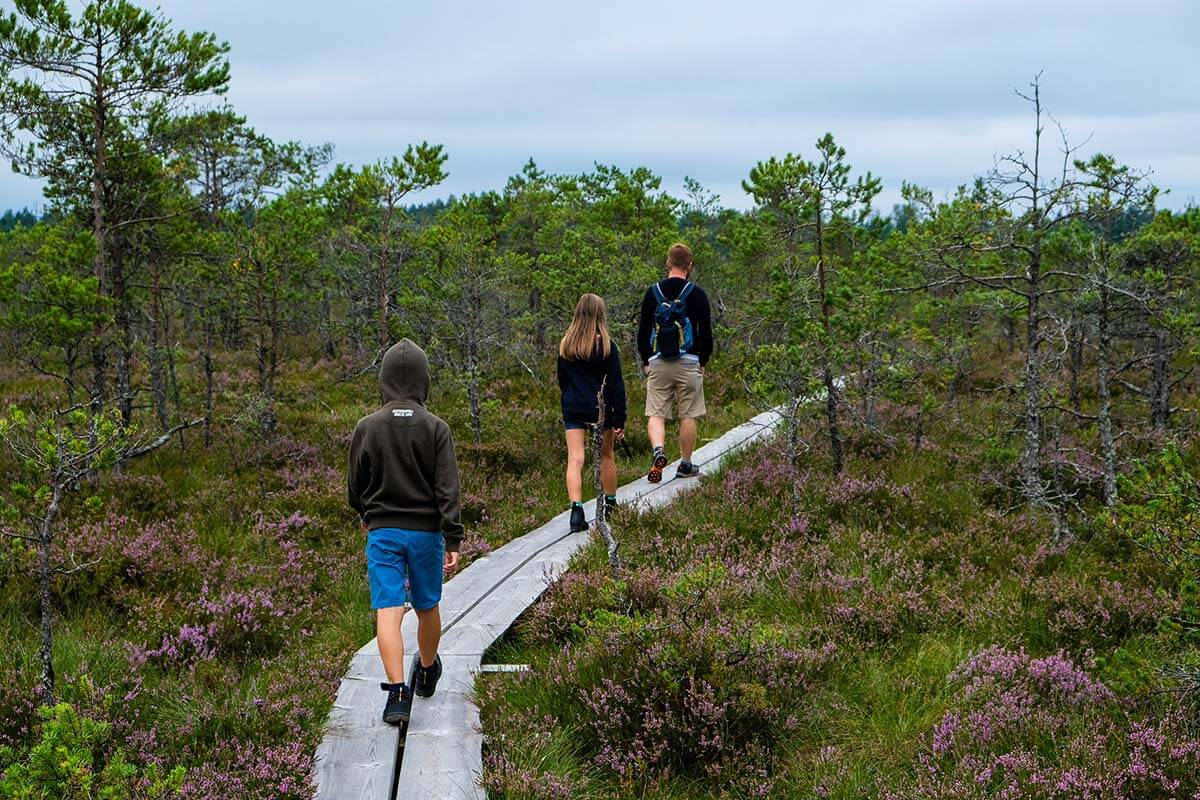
(444, 753)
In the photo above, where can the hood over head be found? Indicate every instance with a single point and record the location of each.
(404, 374)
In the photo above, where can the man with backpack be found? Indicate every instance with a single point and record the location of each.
(675, 342)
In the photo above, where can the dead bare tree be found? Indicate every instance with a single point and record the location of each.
(996, 241)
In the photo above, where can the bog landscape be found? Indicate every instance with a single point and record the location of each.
(964, 564)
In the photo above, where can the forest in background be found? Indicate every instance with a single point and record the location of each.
(200, 303)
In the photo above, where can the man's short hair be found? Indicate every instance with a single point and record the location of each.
(679, 256)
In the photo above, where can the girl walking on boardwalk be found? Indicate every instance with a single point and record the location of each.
(587, 358)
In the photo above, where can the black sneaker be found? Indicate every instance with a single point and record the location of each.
(656, 467)
(578, 522)
(398, 708)
(426, 680)
(687, 469)
(610, 503)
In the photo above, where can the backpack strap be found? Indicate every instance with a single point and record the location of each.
(687, 289)
(658, 293)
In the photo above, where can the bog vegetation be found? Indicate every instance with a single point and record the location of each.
(968, 569)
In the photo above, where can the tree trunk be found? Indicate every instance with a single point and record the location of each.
(123, 317)
(99, 267)
(602, 524)
(45, 573)
(209, 384)
(384, 333)
(794, 452)
(158, 377)
(267, 331)
(870, 379)
(125, 367)
(1075, 366)
(1108, 448)
(473, 398)
(1160, 381)
(831, 398)
(1009, 329)
(1032, 485)
(158, 386)
(329, 346)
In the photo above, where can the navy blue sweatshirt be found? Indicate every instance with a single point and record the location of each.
(580, 381)
(698, 312)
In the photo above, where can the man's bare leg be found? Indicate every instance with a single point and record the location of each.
(656, 429)
(687, 438)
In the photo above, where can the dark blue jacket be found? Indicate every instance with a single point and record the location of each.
(580, 381)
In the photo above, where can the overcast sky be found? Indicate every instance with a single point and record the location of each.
(916, 90)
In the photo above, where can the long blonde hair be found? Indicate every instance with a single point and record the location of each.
(588, 326)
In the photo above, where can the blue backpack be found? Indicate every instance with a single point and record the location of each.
(672, 333)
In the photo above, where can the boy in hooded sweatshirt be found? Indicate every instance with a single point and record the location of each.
(404, 484)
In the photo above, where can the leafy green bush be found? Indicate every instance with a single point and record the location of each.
(75, 761)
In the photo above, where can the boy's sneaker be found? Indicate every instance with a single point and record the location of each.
(687, 469)
(426, 680)
(398, 708)
(578, 522)
(657, 465)
(610, 503)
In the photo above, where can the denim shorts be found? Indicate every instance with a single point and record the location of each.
(405, 568)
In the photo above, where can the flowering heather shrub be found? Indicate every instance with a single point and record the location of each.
(502, 776)
(804, 622)
(473, 546)
(127, 559)
(866, 494)
(233, 623)
(1042, 727)
(1086, 612)
(565, 605)
(676, 695)
(250, 770)
(143, 496)
(19, 697)
(761, 479)
(309, 476)
(285, 451)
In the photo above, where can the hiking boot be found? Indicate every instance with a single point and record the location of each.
(656, 466)
(398, 708)
(426, 680)
(578, 522)
(687, 469)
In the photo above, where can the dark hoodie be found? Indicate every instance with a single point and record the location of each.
(403, 473)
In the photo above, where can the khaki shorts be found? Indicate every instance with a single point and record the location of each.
(674, 387)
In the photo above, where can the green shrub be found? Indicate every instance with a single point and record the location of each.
(75, 761)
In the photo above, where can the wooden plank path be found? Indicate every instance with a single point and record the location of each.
(439, 756)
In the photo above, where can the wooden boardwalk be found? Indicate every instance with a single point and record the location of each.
(439, 756)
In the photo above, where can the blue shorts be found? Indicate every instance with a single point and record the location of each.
(405, 568)
(574, 425)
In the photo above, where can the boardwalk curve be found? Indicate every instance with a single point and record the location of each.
(439, 756)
